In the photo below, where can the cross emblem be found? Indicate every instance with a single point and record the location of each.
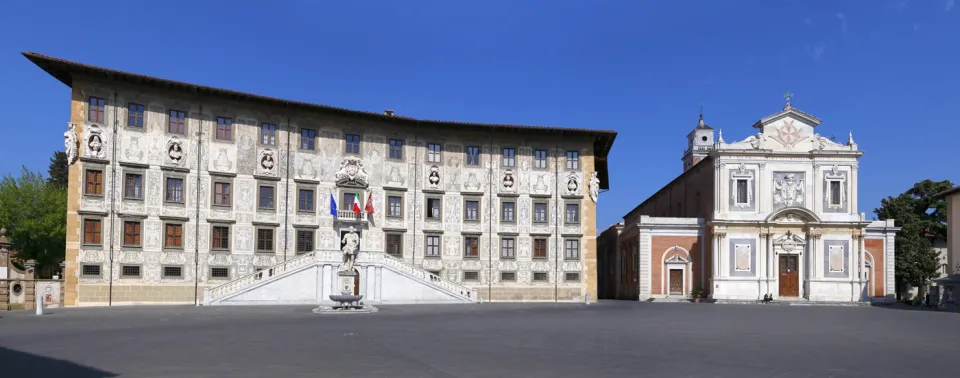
(788, 133)
(788, 96)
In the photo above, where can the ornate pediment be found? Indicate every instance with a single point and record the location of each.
(677, 259)
(351, 172)
(790, 242)
(797, 215)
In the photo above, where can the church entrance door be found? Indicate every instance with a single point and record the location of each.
(789, 277)
(676, 282)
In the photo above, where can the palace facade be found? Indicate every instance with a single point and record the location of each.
(180, 193)
(773, 215)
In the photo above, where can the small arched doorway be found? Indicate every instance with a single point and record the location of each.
(356, 281)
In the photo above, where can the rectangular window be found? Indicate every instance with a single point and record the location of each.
(539, 248)
(571, 249)
(173, 236)
(508, 248)
(130, 270)
(394, 206)
(91, 231)
(172, 272)
(135, 115)
(571, 277)
(97, 108)
(433, 152)
(508, 211)
(433, 246)
(308, 139)
(221, 237)
(224, 128)
(306, 200)
(131, 234)
(508, 276)
(573, 213)
(835, 198)
(509, 157)
(573, 160)
(133, 186)
(539, 276)
(396, 149)
(90, 270)
(267, 197)
(221, 194)
(540, 212)
(94, 182)
(540, 159)
(304, 241)
(433, 208)
(471, 276)
(395, 245)
(353, 144)
(174, 190)
(471, 246)
(348, 200)
(471, 210)
(178, 124)
(473, 155)
(264, 240)
(268, 134)
(219, 272)
(742, 191)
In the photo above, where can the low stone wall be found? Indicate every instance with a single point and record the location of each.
(20, 294)
(95, 295)
(527, 294)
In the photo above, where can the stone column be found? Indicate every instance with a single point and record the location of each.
(815, 265)
(761, 263)
(4, 255)
(863, 263)
(771, 260)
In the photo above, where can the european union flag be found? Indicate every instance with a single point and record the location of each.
(333, 206)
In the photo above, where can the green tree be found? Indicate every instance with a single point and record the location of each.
(59, 169)
(922, 217)
(34, 213)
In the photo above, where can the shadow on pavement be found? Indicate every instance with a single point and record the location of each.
(906, 307)
(31, 365)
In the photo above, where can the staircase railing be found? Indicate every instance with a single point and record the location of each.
(246, 281)
(421, 273)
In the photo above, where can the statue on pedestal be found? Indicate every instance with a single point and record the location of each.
(351, 245)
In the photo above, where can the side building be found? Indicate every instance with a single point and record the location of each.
(181, 193)
(772, 215)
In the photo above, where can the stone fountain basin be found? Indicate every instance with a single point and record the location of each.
(346, 298)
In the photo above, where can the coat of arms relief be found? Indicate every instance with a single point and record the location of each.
(788, 191)
(351, 172)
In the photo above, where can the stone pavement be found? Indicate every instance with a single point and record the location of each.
(606, 339)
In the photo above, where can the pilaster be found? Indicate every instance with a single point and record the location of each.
(645, 245)
(74, 194)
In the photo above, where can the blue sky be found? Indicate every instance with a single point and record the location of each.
(885, 69)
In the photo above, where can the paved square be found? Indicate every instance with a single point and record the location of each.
(607, 339)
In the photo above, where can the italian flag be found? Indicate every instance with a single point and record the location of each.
(356, 203)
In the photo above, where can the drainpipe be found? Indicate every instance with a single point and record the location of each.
(556, 223)
(490, 221)
(113, 196)
(416, 185)
(196, 244)
(286, 197)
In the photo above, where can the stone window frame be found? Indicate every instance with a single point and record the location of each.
(358, 197)
(230, 237)
(571, 164)
(566, 220)
(300, 139)
(211, 277)
(270, 184)
(261, 134)
(749, 176)
(508, 276)
(507, 200)
(143, 182)
(546, 159)
(103, 104)
(566, 249)
(167, 175)
(429, 153)
(183, 237)
(386, 243)
(471, 236)
(83, 229)
(390, 149)
(186, 120)
(305, 186)
(164, 275)
(479, 201)
(503, 252)
(533, 211)
(474, 273)
(403, 202)
(546, 277)
(256, 240)
(139, 269)
(533, 247)
(296, 239)
(846, 250)
(503, 157)
(732, 248)
(426, 206)
(88, 167)
(571, 276)
(426, 245)
(142, 117)
(231, 129)
(99, 270)
(123, 232)
(218, 179)
(839, 177)
(346, 143)
(466, 156)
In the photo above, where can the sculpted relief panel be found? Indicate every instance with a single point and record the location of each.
(788, 190)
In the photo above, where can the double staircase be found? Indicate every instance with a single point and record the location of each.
(310, 278)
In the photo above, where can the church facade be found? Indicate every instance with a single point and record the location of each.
(773, 215)
(180, 193)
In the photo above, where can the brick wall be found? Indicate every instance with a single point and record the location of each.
(663, 248)
(875, 247)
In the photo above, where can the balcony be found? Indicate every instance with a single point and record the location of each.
(350, 216)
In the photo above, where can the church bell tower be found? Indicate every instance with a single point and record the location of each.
(699, 144)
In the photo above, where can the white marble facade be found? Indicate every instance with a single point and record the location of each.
(247, 161)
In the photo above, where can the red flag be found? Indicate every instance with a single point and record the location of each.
(369, 207)
(356, 203)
